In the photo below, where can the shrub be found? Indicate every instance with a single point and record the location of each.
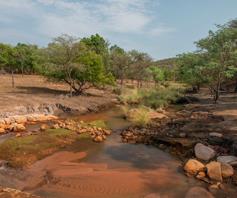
(138, 116)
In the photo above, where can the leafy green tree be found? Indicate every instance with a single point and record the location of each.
(191, 69)
(26, 58)
(73, 63)
(219, 47)
(139, 64)
(157, 73)
(119, 61)
(7, 60)
(100, 46)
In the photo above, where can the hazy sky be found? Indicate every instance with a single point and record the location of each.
(162, 28)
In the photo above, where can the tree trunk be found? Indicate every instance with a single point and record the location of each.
(235, 86)
(13, 79)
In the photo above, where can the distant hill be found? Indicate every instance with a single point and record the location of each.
(169, 62)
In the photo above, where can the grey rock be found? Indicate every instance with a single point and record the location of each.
(228, 159)
(204, 152)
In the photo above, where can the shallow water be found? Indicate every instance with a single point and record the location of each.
(110, 169)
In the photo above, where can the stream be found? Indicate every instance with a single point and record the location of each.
(111, 169)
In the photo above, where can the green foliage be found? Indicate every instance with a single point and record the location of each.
(98, 123)
(214, 62)
(119, 62)
(191, 69)
(157, 73)
(161, 97)
(153, 98)
(72, 62)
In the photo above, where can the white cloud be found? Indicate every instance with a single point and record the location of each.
(50, 18)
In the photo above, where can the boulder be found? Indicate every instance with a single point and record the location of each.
(31, 118)
(20, 119)
(107, 132)
(55, 126)
(193, 166)
(204, 152)
(198, 192)
(98, 138)
(2, 130)
(44, 127)
(227, 159)
(214, 171)
(17, 127)
(201, 175)
(2, 121)
(226, 170)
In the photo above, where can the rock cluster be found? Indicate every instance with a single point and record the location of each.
(98, 134)
(13, 193)
(17, 123)
(213, 171)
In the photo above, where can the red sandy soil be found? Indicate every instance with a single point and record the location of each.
(32, 90)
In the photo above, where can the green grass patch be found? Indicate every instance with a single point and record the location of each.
(98, 124)
(158, 97)
(138, 116)
(23, 151)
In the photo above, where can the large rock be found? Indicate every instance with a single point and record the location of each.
(193, 166)
(20, 119)
(98, 138)
(214, 171)
(204, 152)
(227, 159)
(2, 130)
(226, 170)
(198, 192)
(17, 127)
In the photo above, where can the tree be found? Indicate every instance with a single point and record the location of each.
(100, 46)
(26, 58)
(219, 47)
(157, 74)
(191, 69)
(7, 60)
(73, 63)
(119, 61)
(139, 64)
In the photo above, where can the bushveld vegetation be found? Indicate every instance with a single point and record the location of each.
(93, 62)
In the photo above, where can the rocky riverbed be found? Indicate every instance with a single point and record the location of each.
(203, 137)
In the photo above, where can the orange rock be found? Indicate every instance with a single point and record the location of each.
(2, 130)
(193, 166)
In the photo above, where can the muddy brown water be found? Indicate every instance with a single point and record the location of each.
(110, 169)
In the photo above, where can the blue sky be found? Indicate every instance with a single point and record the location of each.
(162, 28)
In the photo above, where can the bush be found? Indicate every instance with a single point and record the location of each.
(139, 116)
(158, 97)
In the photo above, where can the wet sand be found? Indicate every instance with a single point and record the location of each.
(108, 170)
